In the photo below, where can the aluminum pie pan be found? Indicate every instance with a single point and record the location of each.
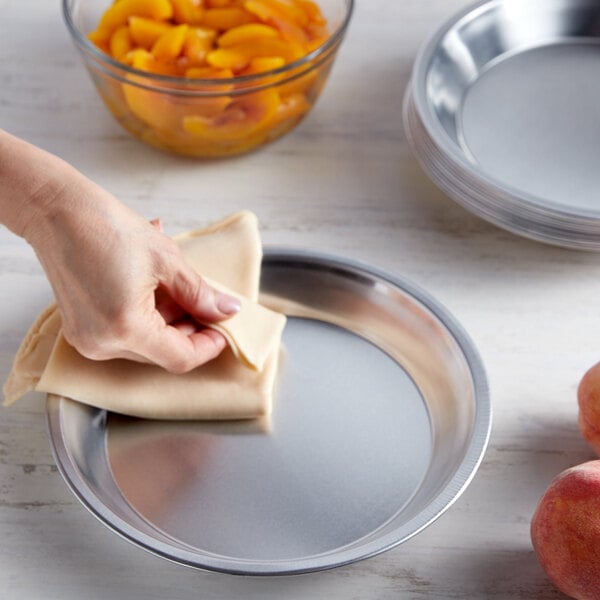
(502, 114)
(381, 418)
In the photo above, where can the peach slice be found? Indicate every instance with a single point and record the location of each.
(145, 31)
(245, 116)
(120, 12)
(170, 44)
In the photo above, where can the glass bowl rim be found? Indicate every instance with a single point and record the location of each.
(183, 82)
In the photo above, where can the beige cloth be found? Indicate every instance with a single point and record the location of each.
(236, 385)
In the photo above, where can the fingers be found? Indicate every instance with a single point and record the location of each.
(181, 348)
(151, 324)
(178, 347)
(169, 310)
(181, 287)
(157, 224)
(188, 290)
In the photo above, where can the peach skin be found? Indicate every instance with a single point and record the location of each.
(565, 531)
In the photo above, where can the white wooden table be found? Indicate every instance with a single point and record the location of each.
(344, 182)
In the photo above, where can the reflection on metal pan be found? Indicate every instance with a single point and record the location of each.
(381, 419)
(502, 112)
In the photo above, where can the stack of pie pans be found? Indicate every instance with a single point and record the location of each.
(503, 113)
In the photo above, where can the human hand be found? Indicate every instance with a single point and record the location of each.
(123, 288)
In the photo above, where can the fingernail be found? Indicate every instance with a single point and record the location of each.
(157, 223)
(228, 305)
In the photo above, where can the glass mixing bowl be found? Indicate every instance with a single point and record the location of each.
(207, 117)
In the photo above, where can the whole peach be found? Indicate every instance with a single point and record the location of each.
(588, 398)
(565, 531)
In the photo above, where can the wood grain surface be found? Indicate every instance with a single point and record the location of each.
(344, 182)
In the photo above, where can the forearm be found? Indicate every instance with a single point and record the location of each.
(31, 180)
(108, 266)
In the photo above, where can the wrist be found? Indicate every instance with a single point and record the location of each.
(41, 208)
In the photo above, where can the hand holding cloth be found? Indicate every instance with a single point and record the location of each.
(238, 384)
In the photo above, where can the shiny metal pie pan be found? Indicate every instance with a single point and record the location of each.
(502, 112)
(381, 418)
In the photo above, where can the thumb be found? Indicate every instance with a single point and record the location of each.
(198, 298)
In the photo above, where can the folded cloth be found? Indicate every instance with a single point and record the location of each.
(238, 384)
